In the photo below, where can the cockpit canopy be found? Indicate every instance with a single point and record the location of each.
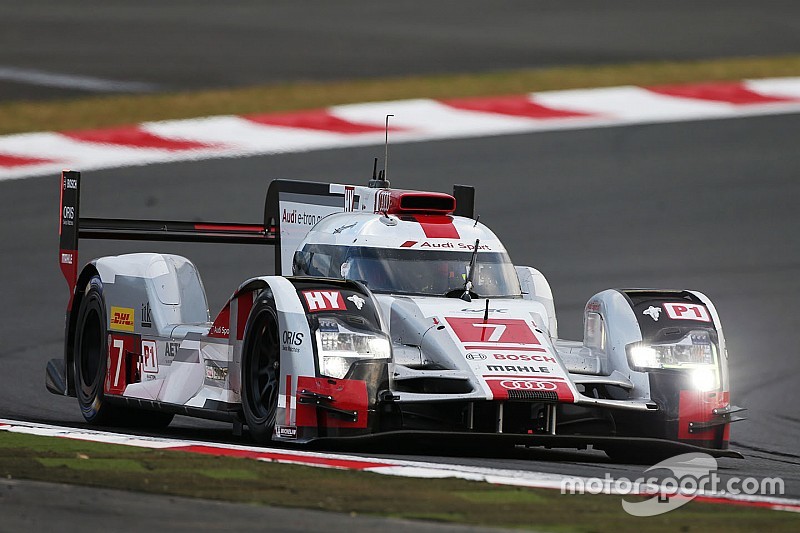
(410, 271)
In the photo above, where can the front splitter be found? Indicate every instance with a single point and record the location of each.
(409, 439)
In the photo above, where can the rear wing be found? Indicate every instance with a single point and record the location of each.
(291, 208)
(74, 227)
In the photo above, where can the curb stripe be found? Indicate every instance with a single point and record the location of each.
(47, 153)
(731, 93)
(319, 119)
(516, 106)
(134, 137)
(288, 457)
(11, 161)
(402, 468)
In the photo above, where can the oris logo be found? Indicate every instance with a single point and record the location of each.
(475, 356)
(520, 384)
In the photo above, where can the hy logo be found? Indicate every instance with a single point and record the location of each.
(688, 471)
(653, 312)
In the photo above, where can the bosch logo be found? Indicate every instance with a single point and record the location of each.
(518, 384)
(475, 356)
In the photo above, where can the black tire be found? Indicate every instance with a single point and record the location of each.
(90, 351)
(91, 357)
(261, 356)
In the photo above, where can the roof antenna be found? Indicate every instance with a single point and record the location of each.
(386, 152)
(379, 180)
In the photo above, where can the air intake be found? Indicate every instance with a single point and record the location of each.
(541, 395)
(428, 203)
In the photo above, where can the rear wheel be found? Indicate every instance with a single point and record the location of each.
(91, 358)
(261, 358)
(90, 355)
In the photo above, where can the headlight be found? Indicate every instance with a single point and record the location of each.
(338, 347)
(695, 353)
(704, 379)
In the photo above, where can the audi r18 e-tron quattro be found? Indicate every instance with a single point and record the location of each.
(392, 313)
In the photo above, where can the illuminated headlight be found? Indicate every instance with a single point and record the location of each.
(704, 379)
(338, 347)
(695, 353)
(642, 356)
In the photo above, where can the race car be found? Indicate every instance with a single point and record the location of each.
(393, 314)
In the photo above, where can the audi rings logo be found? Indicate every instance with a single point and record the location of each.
(475, 356)
(519, 384)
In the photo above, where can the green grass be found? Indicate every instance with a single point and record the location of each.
(445, 500)
(103, 111)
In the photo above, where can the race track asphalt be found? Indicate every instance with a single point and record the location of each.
(709, 205)
(192, 44)
(37, 506)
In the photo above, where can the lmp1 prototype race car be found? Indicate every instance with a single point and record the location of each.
(395, 314)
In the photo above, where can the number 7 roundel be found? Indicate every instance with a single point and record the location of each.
(494, 330)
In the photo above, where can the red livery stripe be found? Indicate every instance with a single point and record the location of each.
(522, 376)
(11, 161)
(515, 106)
(730, 93)
(437, 226)
(229, 227)
(494, 347)
(288, 409)
(317, 119)
(135, 137)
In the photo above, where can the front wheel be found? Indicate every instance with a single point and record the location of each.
(261, 360)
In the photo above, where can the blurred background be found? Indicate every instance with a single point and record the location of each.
(178, 45)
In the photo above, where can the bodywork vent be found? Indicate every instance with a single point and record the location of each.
(541, 395)
(432, 385)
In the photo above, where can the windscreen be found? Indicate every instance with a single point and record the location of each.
(414, 272)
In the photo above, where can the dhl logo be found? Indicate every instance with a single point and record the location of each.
(121, 319)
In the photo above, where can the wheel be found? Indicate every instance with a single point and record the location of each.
(261, 369)
(90, 355)
(91, 358)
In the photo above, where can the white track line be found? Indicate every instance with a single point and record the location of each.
(71, 81)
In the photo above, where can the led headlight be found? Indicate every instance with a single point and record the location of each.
(695, 353)
(339, 346)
